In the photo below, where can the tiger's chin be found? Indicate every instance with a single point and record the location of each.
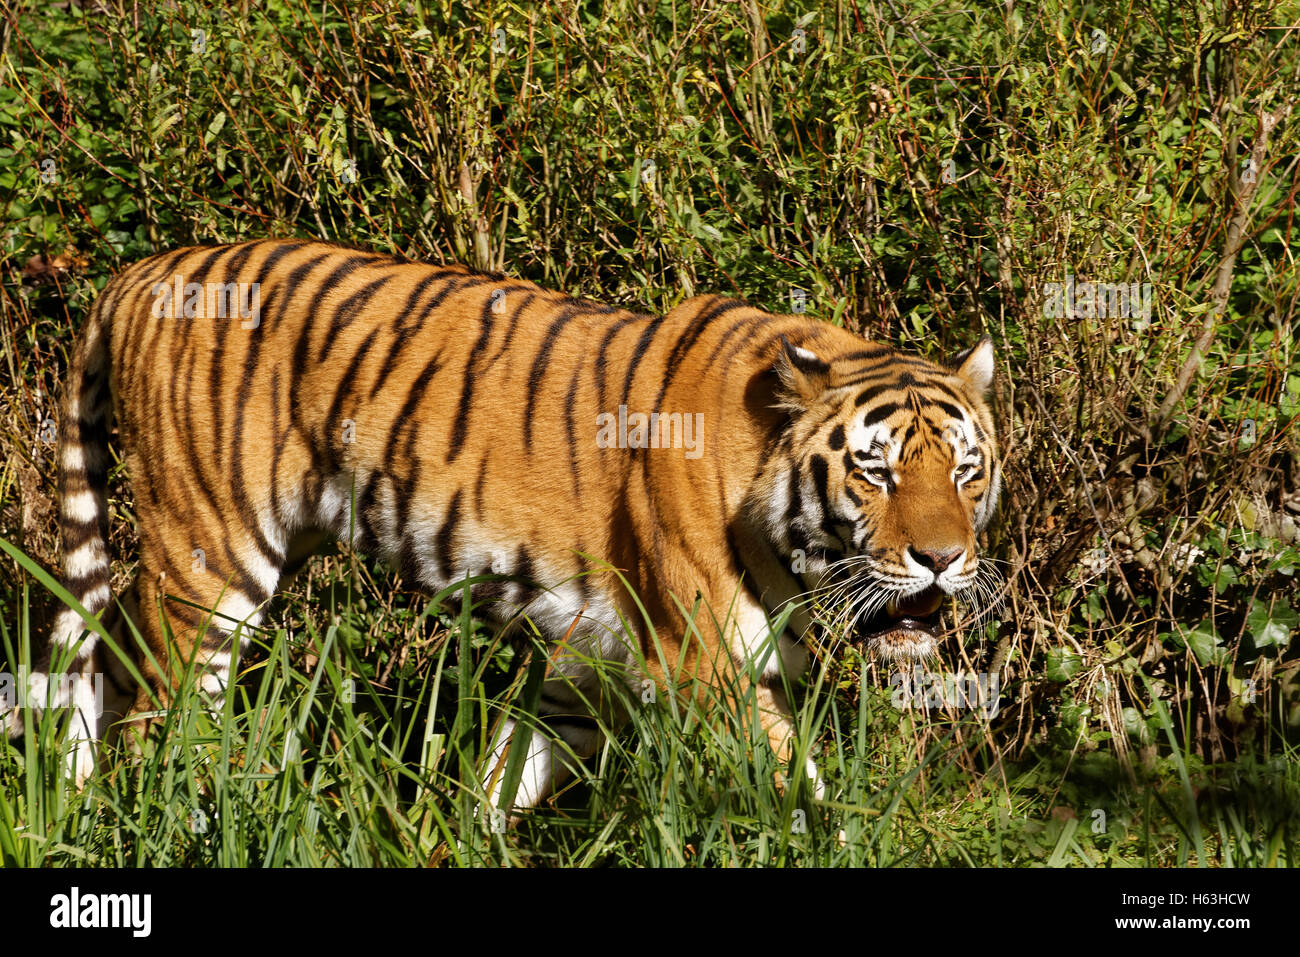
(904, 630)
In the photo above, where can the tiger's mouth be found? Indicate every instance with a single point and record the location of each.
(905, 627)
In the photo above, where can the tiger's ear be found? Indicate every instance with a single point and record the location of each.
(975, 365)
(804, 374)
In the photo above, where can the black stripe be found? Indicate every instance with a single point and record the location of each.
(488, 592)
(347, 312)
(583, 577)
(243, 580)
(888, 370)
(139, 331)
(638, 353)
(183, 407)
(443, 540)
(945, 389)
(237, 484)
(302, 346)
(217, 370)
(688, 339)
(406, 564)
(81, 585)
(875, 391)
(468, 382)
(219, 636)
(402, 332)
(478, 487)
(364, 497)
(514, 322)
(75, 533)
(879, 414)
(798, 537)
(280, 439)
(601, 360)
(345, 390)
(952, 410)
(538, 371)
(571, 426)
(795, 506)
(96, 396)
(405, 490)
(735, 327)
(821, 483)
(287, 291)
(524, 565)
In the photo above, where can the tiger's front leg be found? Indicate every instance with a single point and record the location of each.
(565, 734)
(777, 720)
(768, 657)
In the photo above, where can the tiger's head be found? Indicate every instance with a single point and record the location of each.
(889, 472)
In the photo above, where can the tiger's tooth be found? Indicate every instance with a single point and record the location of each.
(891, 608)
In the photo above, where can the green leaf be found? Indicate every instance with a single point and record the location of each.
(1205, 644)
(1221, 577)
(1288, 403)
(1062, 664)
(215, 127)
(1271, 624)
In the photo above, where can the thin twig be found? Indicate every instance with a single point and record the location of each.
(1244, 192)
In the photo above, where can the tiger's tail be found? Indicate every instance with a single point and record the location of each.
(65, 675)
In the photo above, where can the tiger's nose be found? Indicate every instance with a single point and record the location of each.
(936, 561)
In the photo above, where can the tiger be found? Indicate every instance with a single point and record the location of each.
(672, 494)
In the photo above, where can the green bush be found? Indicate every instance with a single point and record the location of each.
(925, 173)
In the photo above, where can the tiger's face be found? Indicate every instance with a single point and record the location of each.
(894, 471)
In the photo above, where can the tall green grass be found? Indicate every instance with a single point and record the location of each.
(307, 765)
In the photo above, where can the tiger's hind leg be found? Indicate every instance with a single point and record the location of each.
(195, 609)
(552, 751)
(565, 734)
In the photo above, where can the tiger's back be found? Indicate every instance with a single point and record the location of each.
(457, 424)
